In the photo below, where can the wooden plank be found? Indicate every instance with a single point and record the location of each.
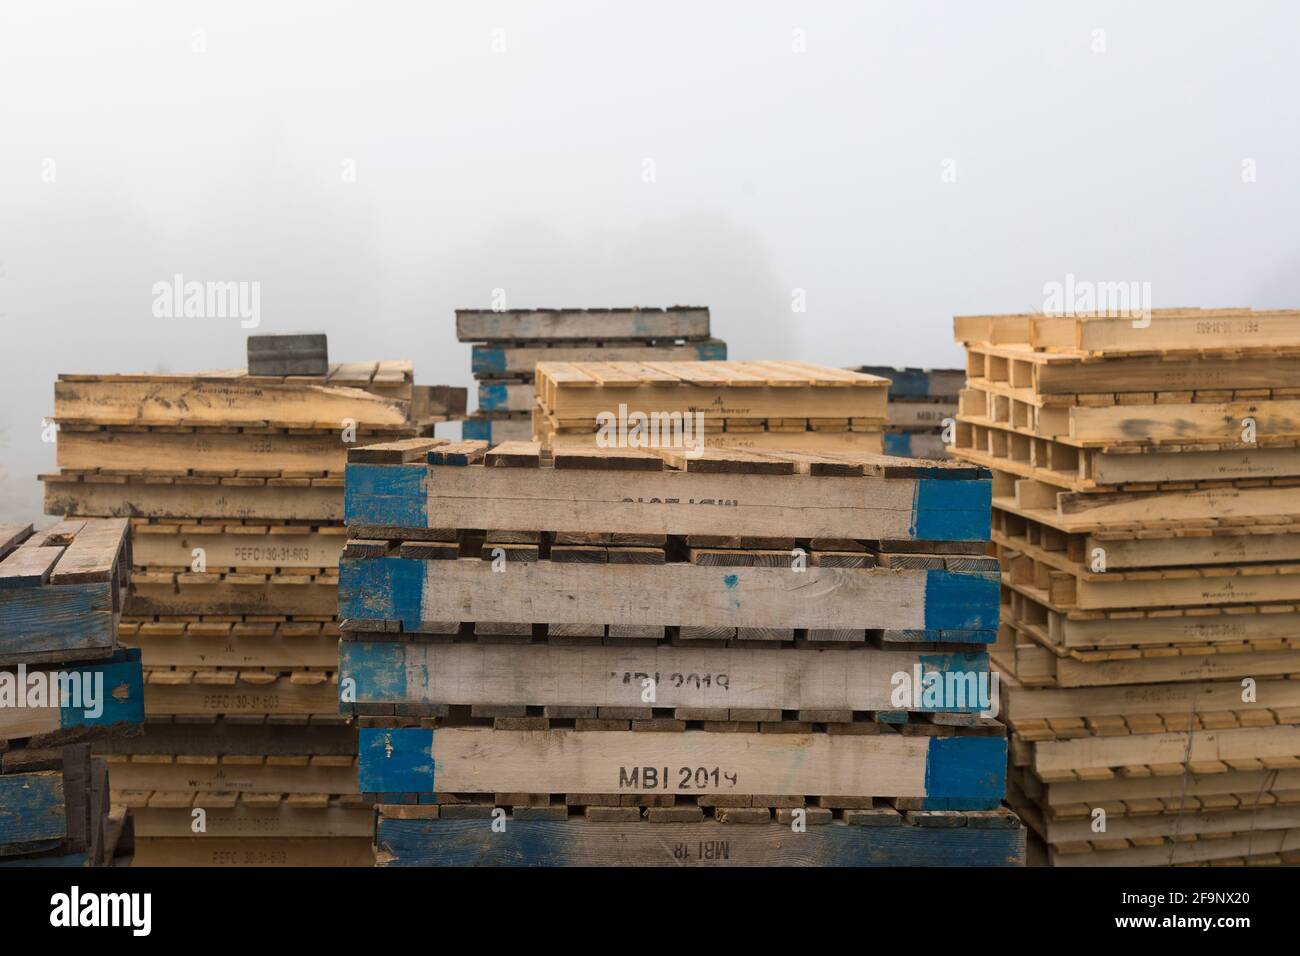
(413, 592)
(498, 361)
(231, 651)
(242, 852)
(32, 811)
(1213, 422)
(202, 450)
(311, 502)
(93, 554)
(915, 383)
(279, 697)
(506, 396)
(730, 390)
(74, 700)
(288, 353)
(1086, 753)
(231, 774)
(660, 502)
(696, 677)
(28, 567)
(966, 769)
(438, 842)
(810, 442)
(169, 399)
(595, 325)
(251, 824)
(57, 622)
(233, 594)
(1230, 330)
(265, 547)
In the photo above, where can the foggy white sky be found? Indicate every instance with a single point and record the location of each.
(523, 170)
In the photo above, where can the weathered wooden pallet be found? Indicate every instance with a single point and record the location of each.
(1077, 374)
(61, 589)
(1025, 651)
(414, 593)
(368, 393)
(54, 808)
(1230, 331)
(590, 325)
(495, 428)
(825, 684)
(513, 488)
(54, 705)
(165, 496)
(762, 439)
(1134, 549)
(219, 736)
(581, 391)
(158, 592)
(283, 650)
(506, 396)
(1066, 585)
(1268, 502)
(418, 836)
(184, 692)
(1211, 789)
(1221, 424)
(1121, 468)
(214, 451)
(1047, 713)
(957, 772)
(235, 773)
(236, 546)
(912, 383)
(920, 414)
(243, 852)
(519, 360)
(288, 353)
(249, 816)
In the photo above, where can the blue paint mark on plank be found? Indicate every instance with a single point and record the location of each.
(476, 429)
(546, 843)
(395, 760)
(711, 351)
(492, 396)
(395, 495)
(966, 768)
(381, 589)
(32, 807)
(962, 601)
(952, 510)
(487, 360)
(123, 692)
(950, 636)
(377, 669)
(56, 618)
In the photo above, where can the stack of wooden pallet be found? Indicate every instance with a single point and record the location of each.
(618, 657)
(510, 343)
(1147, 513)
(64, 681)
(745, 406)
(234, 487)
(920, 401)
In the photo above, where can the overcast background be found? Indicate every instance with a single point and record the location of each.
(140, 140)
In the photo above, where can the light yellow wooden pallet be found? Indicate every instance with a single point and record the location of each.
(239, 692)
(1170, 331)
(319, 774)
(168, 496)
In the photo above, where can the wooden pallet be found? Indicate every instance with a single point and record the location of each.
(236, 546)
(1120, 468)
(823, 685)
(243, 852)
(1171, 331)
(54, 808)
(867, 440)
(514, 488)
(591, 325)
(519, 360)
(235, 773)
(956, 772)
(368, 393)
(77, 701)
(578, 392)
(185, 692)
(284, 649)
(61, 590)
(420, 836)
(161, 496)
(296, 592)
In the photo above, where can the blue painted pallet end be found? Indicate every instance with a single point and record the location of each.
(377, 670)
(487, 360)
(381, 589)
(32, 808)
(395, 760)
(395, 495)
(476, 429)
(968, 602)
(952, 510)
(492, 396)
(969, 769)
(122, 698)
